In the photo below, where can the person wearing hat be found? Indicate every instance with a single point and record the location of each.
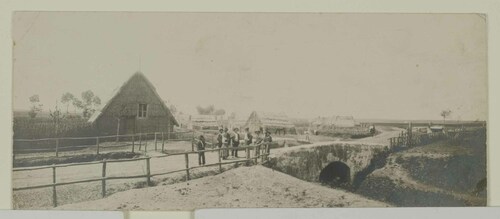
(226, 140)
(201, 150)
(235, 142)
(267, 141)
(220, 141)
(248, 136)
(258, 142)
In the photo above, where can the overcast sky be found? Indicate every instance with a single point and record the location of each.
(388, 66)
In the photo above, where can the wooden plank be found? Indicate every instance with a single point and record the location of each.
(186, 156)
(103, 183)
(247, 154)
(220, 164)
(162, 142)
(140, 141)
(97, 144)
(54, 192)
(57, 147)
(148, 171)
(156, 142)
(133, 143)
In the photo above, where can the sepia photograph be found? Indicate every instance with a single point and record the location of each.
(158, 111)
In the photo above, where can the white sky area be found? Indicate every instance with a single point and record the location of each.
(385, 66)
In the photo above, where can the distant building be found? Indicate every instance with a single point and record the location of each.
(344, 121)
(335, 122)
(206, 122)
(276, 123)
(135, 107)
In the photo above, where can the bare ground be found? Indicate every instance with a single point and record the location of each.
(244, 187)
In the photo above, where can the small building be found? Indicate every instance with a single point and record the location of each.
(206, 122)
(335, 122)
(276, 123)
(135, 107)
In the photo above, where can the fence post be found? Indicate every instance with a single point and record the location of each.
(148, 170)
(186, 156)
(247, 154)
(57, 147)
(104, 178)
(97, 144)
(146, 143)
(133, 143)
(220, 161)
(54, 193)
(162, 141)
(156, 143)
(257, 148)
(262, 153)
(192, 142)
(140, 141)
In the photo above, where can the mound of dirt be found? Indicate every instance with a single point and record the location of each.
(244, 187)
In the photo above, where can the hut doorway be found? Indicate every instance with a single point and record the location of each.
(129, 127)
(336, 174)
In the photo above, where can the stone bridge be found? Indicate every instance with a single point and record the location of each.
(338, 163)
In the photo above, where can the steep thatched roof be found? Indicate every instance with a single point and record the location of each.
(116, 93)
(268, 119)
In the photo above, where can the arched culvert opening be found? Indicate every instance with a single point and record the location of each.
(336, 174)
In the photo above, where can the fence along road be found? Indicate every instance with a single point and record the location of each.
(145, 167)
(99, 144)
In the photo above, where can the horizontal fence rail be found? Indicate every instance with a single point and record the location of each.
(98, 143)
(259, 151)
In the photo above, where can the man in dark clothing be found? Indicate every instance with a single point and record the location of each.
(248, 136)
(258, 142)
(226, 139)
(201, 150)
(267, 141)
(235, 142)
(220, 141)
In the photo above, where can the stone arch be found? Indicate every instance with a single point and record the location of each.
(336, 174)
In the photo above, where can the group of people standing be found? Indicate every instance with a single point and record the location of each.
(226, 139)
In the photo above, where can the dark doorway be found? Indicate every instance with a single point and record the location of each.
(336, 174)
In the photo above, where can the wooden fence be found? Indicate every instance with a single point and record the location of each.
(417, 139)
(260, 151)
(135, 140)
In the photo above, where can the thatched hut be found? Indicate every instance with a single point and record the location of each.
(276, 123)
(135, 107)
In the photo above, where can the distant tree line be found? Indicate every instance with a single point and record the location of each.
(88, 103)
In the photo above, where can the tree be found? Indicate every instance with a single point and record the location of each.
(87, 104)
(56, 117)
(210, 110)
(67, 98)
(36, 107)
(444, 114)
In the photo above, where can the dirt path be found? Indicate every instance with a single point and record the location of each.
(383, 136)
(244, 187)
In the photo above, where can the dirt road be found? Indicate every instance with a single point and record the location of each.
(244, 187)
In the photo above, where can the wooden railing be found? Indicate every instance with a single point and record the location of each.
(134, 139)
(262, 154)
(416, 139)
